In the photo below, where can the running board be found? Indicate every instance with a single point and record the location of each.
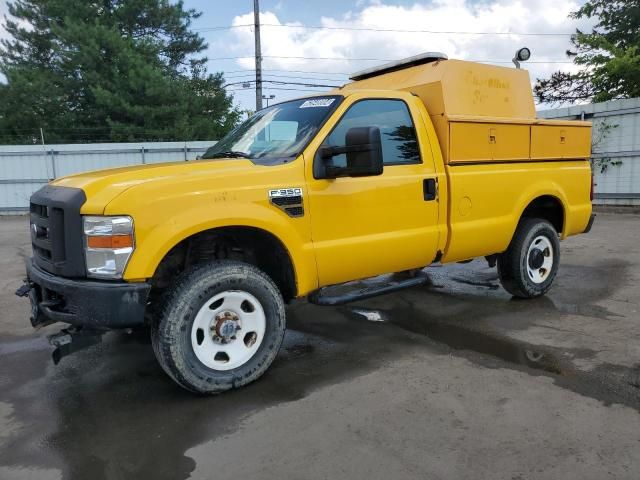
(320, 297)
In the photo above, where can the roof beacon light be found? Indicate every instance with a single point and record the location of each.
(522, 55)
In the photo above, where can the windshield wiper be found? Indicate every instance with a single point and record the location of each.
(229, 154)
(276, 155)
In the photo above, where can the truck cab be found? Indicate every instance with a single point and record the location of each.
(421, 161)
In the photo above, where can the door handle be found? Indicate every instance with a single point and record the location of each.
(430, 189)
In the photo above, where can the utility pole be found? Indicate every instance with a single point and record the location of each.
(258, 53)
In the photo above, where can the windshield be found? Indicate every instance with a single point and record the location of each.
(276, 132)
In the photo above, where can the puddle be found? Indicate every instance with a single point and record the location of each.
(463, 338)
(466, 310)
(607, 383)
(29, 344)
(118, 389)
(504, 348)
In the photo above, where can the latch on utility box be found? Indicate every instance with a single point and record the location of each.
(492, 135)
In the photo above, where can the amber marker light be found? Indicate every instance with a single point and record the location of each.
(110, 241)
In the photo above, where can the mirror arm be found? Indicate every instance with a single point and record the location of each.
(330, 152)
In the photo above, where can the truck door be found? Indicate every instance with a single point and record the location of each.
(366, 226)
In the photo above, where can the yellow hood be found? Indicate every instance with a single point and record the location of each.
(103, 186)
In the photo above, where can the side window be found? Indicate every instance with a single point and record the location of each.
(397, 132)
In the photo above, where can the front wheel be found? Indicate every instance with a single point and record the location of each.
(530, 264)
(221, 327)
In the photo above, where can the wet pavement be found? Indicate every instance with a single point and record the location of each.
(454, 379)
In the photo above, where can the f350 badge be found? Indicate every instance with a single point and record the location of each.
(289, 200)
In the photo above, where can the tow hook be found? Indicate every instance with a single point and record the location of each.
(23, 291)
(72, 339)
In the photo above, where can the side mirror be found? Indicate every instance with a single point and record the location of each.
(363, 150)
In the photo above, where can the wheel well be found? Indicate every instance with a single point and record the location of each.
(549, 208)
(248, 244)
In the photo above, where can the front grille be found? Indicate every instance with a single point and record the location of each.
(56, 230)
(40, 210)
(41, 232)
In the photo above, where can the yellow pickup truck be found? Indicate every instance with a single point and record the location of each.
(420, 161)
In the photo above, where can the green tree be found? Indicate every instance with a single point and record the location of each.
(110, 70)
(609, 56)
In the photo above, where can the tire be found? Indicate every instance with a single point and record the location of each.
(221, 295)
(530, 264)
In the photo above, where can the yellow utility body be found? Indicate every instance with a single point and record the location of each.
(498, 157)
(426, 160)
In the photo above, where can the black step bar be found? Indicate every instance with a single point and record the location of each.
(321, 297)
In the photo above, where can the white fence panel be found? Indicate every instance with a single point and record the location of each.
(25, 168)
(618, 184)
(14, 197)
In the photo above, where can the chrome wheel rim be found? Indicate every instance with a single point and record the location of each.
(539, 259)
(228, 330)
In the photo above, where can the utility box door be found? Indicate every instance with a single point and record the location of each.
(488, 142)
(560, 141)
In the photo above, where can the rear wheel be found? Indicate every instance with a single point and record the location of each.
(221, 327)
(530, 264)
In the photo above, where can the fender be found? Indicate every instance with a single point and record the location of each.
(155, 241)
(576, 214)
(526, 199)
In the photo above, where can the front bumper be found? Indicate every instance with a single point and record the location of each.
(86, 303)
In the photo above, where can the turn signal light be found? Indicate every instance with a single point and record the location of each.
(110, 241)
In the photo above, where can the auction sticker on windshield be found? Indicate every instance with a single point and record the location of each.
(317, 102)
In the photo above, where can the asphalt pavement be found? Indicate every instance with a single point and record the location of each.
(452, 380)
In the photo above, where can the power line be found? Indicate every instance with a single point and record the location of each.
(249, 70)
(376, 59)
(281, 82)
(297, 89)
(305, 71)
(402, 30)
(305, 58)
(221, 27)
(391, 30)
(302, 84)
(279, 88)
(271, 75)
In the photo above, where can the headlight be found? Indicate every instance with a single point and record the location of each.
(108, 245)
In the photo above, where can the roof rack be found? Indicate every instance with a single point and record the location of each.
(419, 59)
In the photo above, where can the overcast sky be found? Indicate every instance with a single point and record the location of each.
(335, 53)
